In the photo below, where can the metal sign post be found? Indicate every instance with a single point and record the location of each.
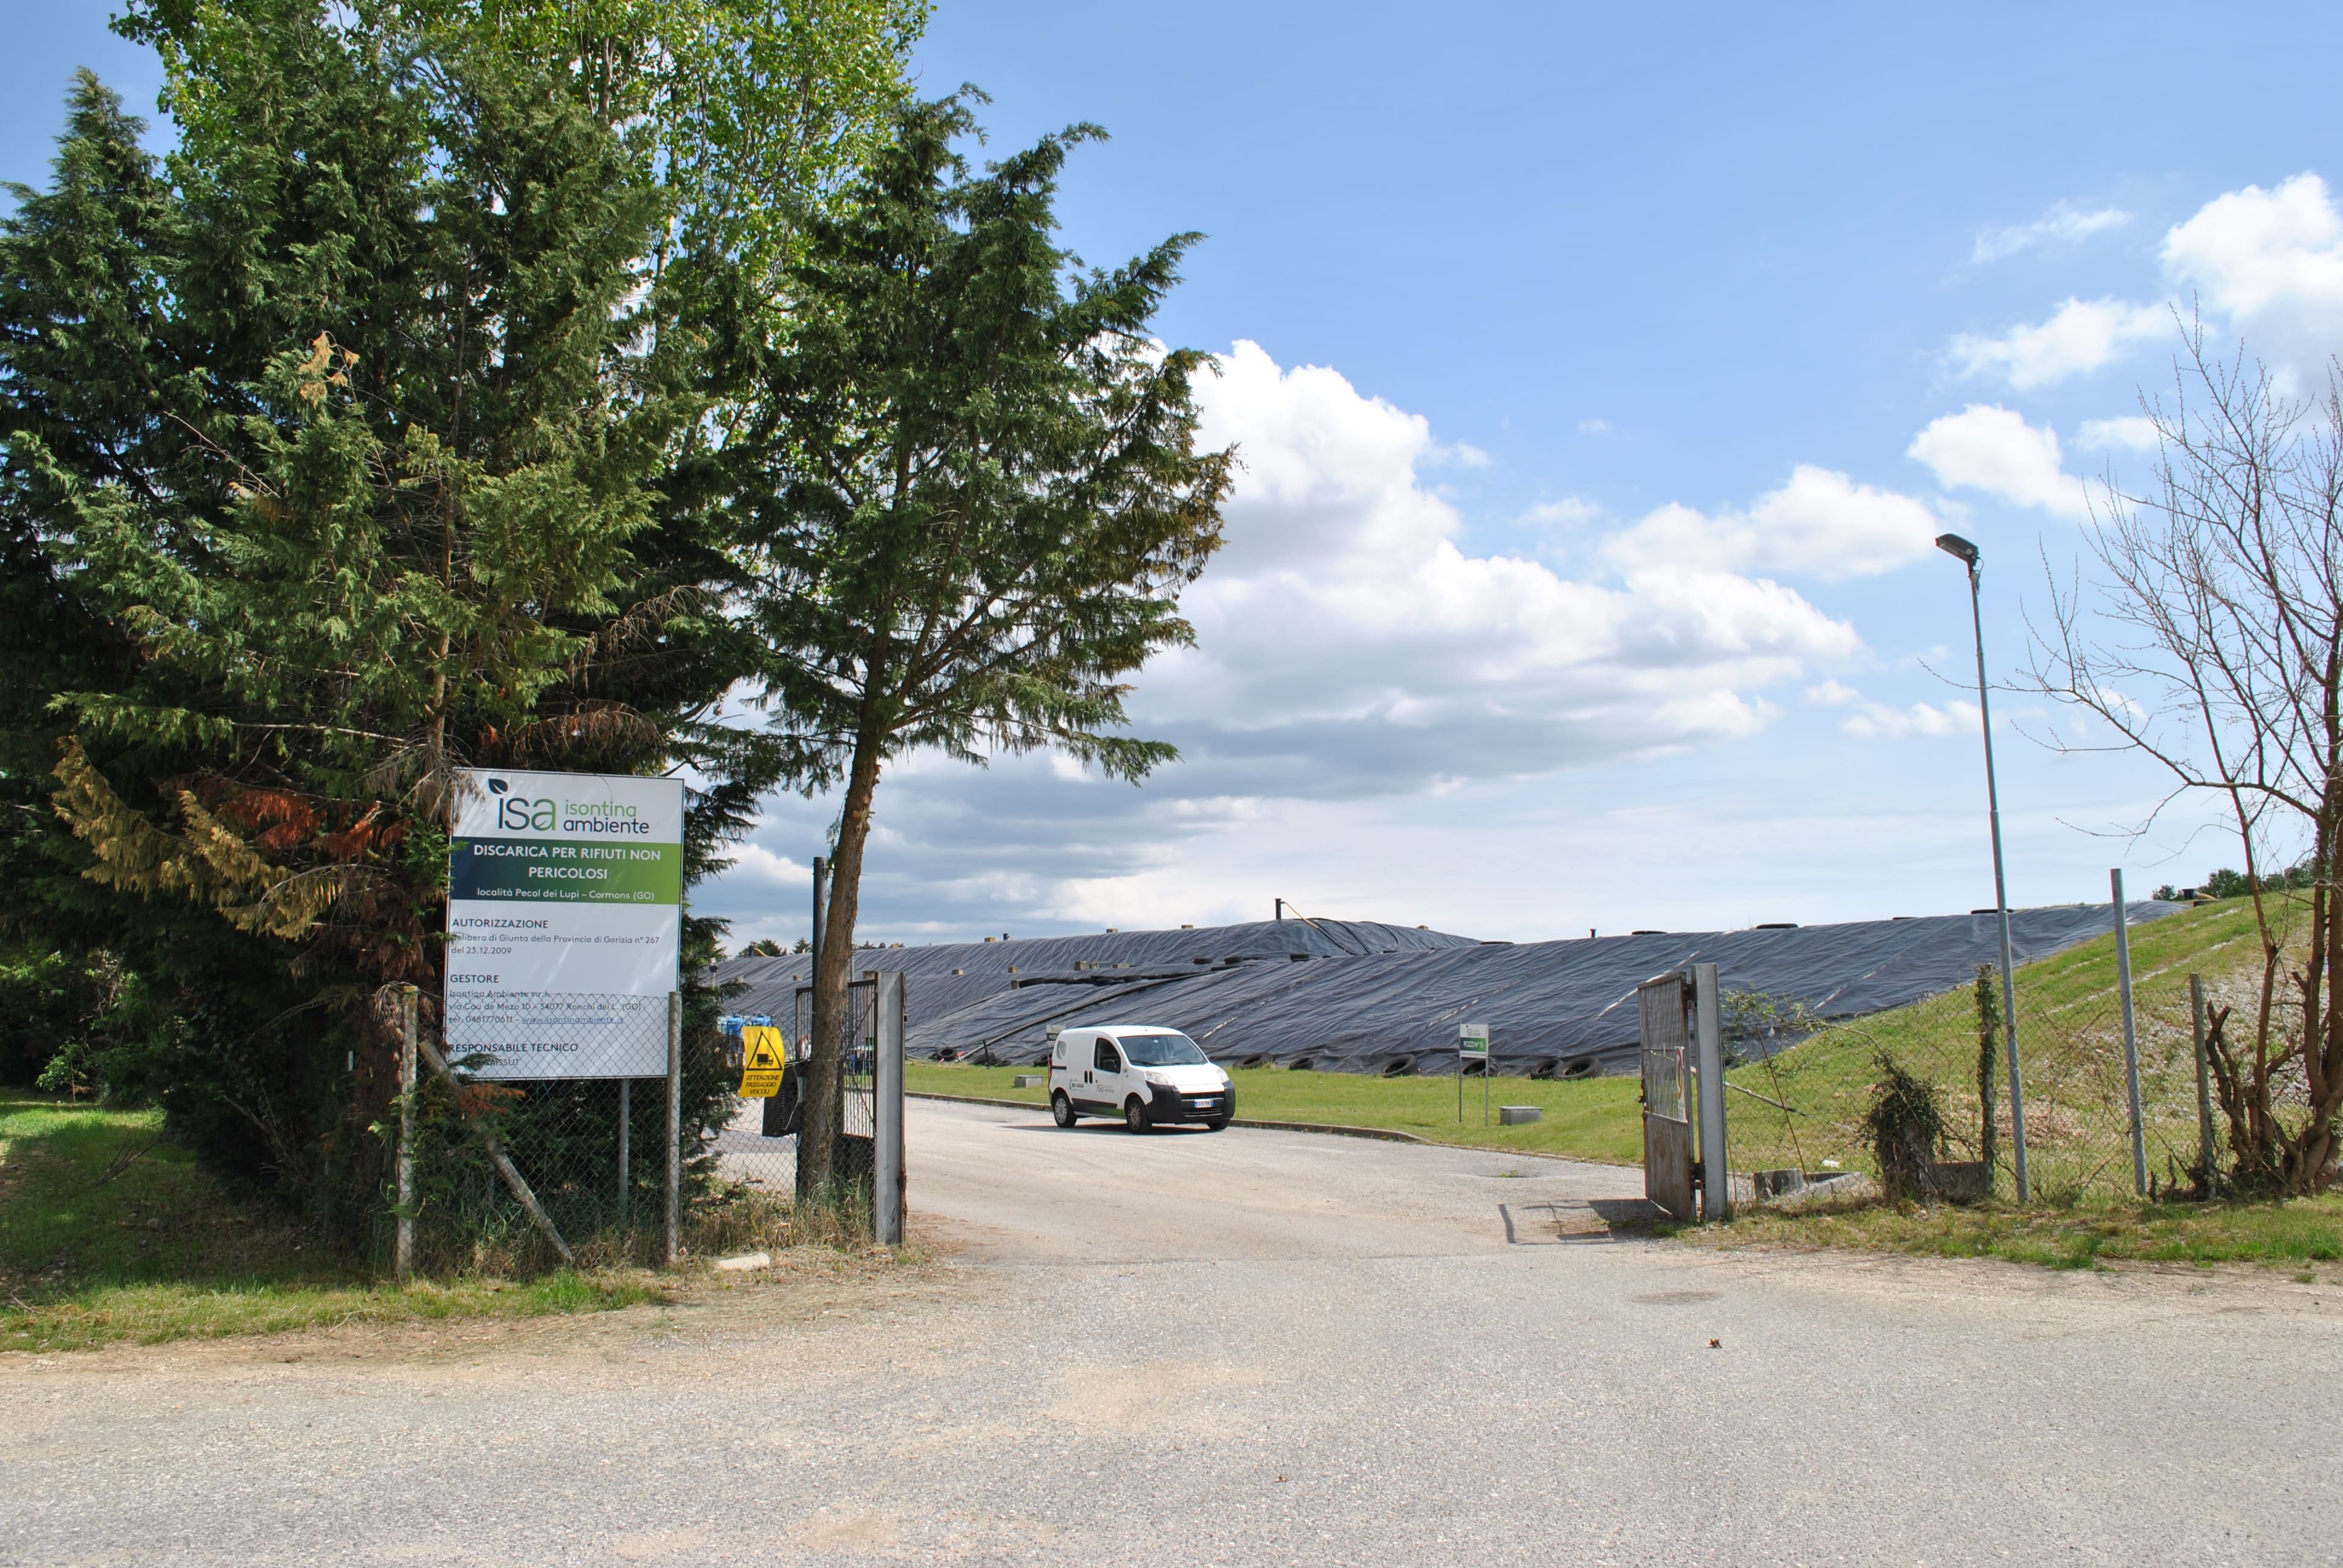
(1473, 1045)
(674, 1127)
(887, 1201)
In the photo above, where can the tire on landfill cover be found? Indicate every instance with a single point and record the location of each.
(1400, 1067)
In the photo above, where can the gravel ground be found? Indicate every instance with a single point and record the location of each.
(1241, 1348)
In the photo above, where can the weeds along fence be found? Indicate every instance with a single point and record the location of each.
(510, 1175)
(1804, 1107)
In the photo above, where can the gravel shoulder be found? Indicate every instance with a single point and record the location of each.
(1244, 1348)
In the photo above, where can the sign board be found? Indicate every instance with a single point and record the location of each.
(761, 1063)
(1473, 1042)
(565, 910)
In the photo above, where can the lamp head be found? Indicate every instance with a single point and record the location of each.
(1960, 548)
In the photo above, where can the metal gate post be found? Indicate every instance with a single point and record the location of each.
(674, 1249)
(887, 1111)
(2131, 1034)
(2204, 1088)
(1716, 1183)
(404, 1258)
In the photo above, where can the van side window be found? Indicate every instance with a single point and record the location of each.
(1106, 1060)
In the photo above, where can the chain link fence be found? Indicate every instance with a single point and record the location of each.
(1801, 1092)
(756, 1148)
(642, 1150)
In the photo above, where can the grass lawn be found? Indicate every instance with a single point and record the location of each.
(2293, 1236)
(108, 1232)
(1588, 1118)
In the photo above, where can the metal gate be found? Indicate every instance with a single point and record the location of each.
(1666, 1006)
(851, 1156)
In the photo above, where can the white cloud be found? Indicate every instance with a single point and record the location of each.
(1832, 694)
(2133, 433)
(2265, 264)
(1994, 449)
(753, 863)
(2064, 223)
(2080, 336)
(2271, 261)
(1821, 523)
(1570, 511)
(1877, 721)
(1594, 427)
(1346, 645)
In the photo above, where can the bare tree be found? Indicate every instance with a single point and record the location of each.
(2215, 646)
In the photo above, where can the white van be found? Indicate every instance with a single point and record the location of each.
(1142, 1072)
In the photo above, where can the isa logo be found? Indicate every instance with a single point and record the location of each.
(519, 813)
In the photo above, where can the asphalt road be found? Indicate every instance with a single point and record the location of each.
(1243, 1348)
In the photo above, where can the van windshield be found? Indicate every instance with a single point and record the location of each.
(1167, 1049)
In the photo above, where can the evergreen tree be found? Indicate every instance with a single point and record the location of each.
(367, 437)
(970, 494)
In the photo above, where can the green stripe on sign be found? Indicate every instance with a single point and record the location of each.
(561, 870)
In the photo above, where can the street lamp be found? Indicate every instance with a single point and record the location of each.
(1960, 549)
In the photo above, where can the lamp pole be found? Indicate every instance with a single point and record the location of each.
(1965, 552)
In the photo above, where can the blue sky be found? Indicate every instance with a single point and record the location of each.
(1604, 372)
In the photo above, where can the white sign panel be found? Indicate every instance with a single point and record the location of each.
(565, 922)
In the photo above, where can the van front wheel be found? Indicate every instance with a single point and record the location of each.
(1062, 1109)
(1134, 1115)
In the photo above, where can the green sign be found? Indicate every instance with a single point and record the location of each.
(565, 895)
(561, 872)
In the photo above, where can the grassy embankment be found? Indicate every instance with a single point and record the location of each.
(110, 1232)
(2069, 1031)
(2070, 1039)
(2080, 1235)
(2078, 1126)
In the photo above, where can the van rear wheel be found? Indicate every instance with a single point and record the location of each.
(1062, 1109)
(1134, 1115)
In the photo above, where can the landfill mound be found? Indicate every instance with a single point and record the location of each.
(1358, 995)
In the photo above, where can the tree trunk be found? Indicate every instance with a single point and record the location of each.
(833, 1011)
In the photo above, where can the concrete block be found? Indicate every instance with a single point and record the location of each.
(1515, 1115)
(746, 1263)
(1030, 1080)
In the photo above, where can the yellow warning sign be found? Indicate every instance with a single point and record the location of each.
(760, 1065)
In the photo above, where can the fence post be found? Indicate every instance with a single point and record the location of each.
(2131, 1034)
(626, 1155)
(2204, 1088)
(887, 1112)
(1717, 1182)
(674, 1249)
(403, 1249)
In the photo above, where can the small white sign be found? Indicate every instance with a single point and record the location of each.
(565, 922)
(1473, 1042)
